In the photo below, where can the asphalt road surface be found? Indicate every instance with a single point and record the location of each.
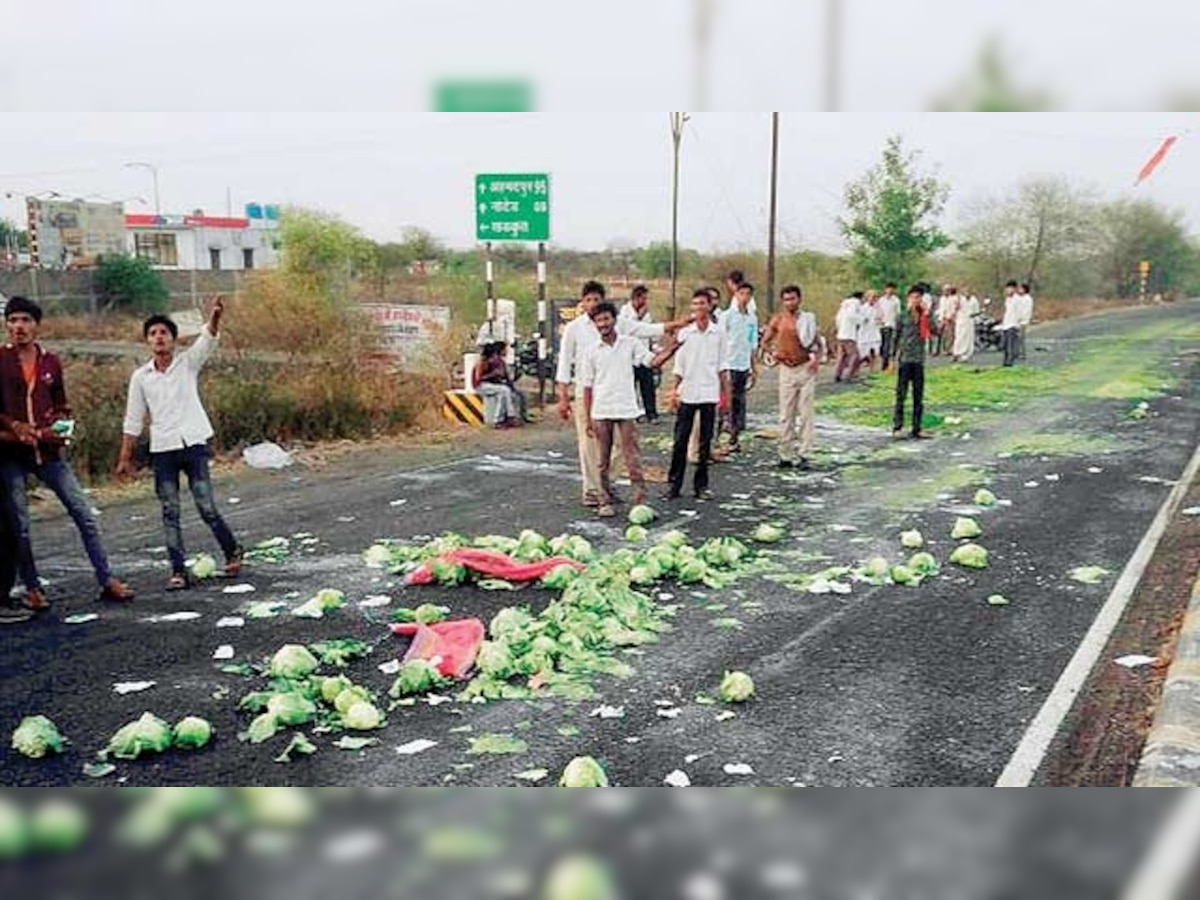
(886, 686)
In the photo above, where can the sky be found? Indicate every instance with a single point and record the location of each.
(611, 172)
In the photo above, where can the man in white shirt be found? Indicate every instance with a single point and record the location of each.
(610, 400)
(889, 309)
(1010, 326)
(701, 385)
(166, 389)
(578, 338)
(1024, 318)
(849, 316)
(638, 310)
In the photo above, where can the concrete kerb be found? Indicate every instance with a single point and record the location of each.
(1171, 757)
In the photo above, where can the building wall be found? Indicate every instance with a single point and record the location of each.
(194, 245)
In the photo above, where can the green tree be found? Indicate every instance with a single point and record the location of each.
(990, 88)
(1137, 230)
(323, 251)
(893, 210)
(130, 283)
(9, 231)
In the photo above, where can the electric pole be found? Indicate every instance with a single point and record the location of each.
(771, 228)
(678, 119)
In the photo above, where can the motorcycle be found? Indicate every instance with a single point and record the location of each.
(987, 333)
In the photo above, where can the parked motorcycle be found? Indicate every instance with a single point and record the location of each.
(987, 333)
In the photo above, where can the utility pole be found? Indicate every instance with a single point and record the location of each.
(771, 228)
(833, 55)
(678, 120)
(703, 34)
(153, 169)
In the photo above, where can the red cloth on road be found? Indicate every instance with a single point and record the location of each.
(454, 644)
(493, 564)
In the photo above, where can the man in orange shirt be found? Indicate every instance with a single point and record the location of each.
(793, 340)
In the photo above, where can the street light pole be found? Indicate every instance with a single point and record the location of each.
(153, 169)
(771, 228)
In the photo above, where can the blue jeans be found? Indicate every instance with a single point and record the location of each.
(167, 468)
(58, 477)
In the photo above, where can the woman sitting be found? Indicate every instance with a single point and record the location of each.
(503, 405)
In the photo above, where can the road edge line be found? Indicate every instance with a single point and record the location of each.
(1168, 868)
(1031, 751)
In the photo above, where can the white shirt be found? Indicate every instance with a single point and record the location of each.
(628, 313)
(889, 308)
(869, 324)
(172, 399)
(1025, 309)
(1012, 313)
(848, 317)
(699, 363)
(581, 335)
(608, 370)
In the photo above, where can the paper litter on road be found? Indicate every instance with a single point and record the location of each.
(396, 503)
(1088, 574)
(1094, 470)
(412, 748)
(391, 667)
(173, 617)
(1154, 479)
(132, 687)
(346, 520)
(726, 716)
(1136, 661)
(1053, 477)
(80, 619)
(234, 501)
(608, 712)
(738, 769)
(232, 622)
(225, 651)
(669, 713)
(677, 779)
(239, 589)
(1032, 484)
(1192, 511)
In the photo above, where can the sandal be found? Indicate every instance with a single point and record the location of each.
(116, 591)
(178, 582)
(233, 564)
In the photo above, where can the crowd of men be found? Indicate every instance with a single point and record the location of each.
(608, 359)
(36, 430)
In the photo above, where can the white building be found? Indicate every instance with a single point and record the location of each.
(200, 242)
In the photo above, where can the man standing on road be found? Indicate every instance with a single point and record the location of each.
(610, 401)
(578, 338)
(33, 406)
(911, 336)
(1024, 318)
(889, 308)
(740, 327)
(166, 389)
(849, 317)
(638, 310)
(701, 384)
(1010, 326)
(792, 338)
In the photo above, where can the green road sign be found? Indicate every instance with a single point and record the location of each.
(483, 96)
(512, 207)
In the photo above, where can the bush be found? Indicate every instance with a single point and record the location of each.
(128, 283)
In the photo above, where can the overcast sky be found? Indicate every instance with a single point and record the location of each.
(611, 172)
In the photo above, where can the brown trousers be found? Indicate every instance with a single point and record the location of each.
(606, 431)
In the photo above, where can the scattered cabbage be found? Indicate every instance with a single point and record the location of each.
(693, 571)
(912, 540)
(579, 878)
(965, 529)
(430, 613)
(293, 661)
(583, 772)
(417, 676)
(560, 577)
(58, 826)
(924, 564)
(510, 621)
(204, 567)
(985, 498)
(904, 575)
(263, 728)
(351, 695)
(642, 515)
(377, 556)
(877, 567)
(971, 556)
(767, 533)
(674, 539)
(14, 830)
(362, 717)
(643, 575)
(149, 734)
(192, 733)
(494, 659)
(636, 534)
(736, 687)
(322, 602)
(997, 600)
(36, 736)
(291, 708)
(332, 686)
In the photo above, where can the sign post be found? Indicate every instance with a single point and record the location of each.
(1144, 273)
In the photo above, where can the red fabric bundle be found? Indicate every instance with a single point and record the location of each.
(454, 644)
(493, 564)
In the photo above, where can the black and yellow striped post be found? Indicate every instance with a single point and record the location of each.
(463, 408)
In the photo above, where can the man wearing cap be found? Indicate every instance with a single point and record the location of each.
(34, 408)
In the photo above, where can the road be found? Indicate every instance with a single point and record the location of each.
(887, 686)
